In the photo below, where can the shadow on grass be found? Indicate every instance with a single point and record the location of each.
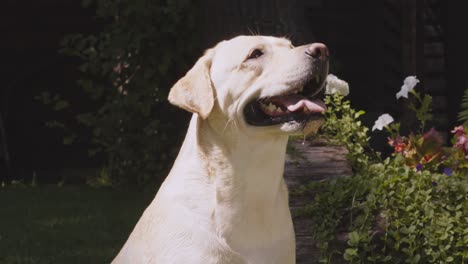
(70, 224)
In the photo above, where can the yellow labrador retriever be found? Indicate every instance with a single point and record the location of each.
(225, 200)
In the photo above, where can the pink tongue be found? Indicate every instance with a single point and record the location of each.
(296, 102)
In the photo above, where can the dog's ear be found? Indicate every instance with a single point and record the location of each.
(194, 92)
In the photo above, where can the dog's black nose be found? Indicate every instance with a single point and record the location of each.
(317, 51)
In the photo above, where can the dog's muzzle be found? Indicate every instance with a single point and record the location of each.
(301, 103)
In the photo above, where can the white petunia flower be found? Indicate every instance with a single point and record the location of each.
(408, 85)
(382, 121)
(335, 85)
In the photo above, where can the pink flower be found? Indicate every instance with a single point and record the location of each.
(462, 140)
(400, 147)
(429, 158)
(458, 131)
(462, 143)
(433, 135)
(399, 143)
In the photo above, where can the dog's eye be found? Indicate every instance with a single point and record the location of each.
(255, 54)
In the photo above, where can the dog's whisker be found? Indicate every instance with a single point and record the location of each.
(251, 31)
(227, 124)
(235, 124)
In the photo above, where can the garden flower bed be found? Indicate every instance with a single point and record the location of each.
(410, 207)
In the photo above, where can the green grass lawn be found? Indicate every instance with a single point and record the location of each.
(69, 224)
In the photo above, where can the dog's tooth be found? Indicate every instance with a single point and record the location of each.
(271, 107)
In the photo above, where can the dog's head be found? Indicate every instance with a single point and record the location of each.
(260, 83)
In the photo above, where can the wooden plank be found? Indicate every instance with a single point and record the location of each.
(435, 86)
(434, 49)
(434, 66)
(307, 163)
(457, 54)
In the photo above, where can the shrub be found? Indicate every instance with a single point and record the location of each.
(128, 68)
(407, 208)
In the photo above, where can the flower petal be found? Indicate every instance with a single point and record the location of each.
(411, 82)
(448, 171)
(335, 85)
(408, 85)
(458, 131)
(382, 121)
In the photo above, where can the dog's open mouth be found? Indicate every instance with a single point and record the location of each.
(300, 104)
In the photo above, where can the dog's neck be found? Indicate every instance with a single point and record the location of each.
(253, 163)
(241, 175)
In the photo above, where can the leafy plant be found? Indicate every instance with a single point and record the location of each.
(392, 210)
(463, 114)
(127, 69)
(343, 127)
(423, 110)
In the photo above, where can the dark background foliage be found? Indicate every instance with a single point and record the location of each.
(96, 78)
(129, 67)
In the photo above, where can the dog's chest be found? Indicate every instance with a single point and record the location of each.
(257, 230)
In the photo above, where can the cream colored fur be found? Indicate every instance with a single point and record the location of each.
(225, 200)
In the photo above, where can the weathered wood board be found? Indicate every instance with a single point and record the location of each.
(305, 163)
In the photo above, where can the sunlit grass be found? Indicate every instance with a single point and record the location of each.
(70, 224)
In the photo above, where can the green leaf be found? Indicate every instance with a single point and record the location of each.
(86, 3)
(61, 104)
(55, 124)
(463, 114)
(353, 238)
(86, 119)
(68, 140)
(359, 113)
(44, 98)
(350, 253)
